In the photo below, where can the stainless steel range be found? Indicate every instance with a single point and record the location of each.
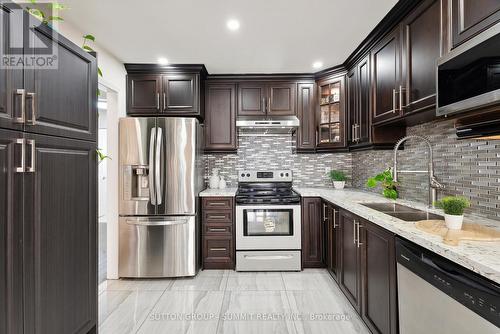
(268, 222)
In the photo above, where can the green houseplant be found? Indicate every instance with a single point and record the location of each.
(338, 178)
(387, 183)
(453, 207)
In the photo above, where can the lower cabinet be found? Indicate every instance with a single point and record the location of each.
(331, 247)
(312, 233)
(218, 240)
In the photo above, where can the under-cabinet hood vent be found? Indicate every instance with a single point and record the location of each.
(483, 126)
(258, 126)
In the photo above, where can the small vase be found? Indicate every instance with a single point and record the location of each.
(222, 183)
(453, 222)
(214, 179)
(339, 184)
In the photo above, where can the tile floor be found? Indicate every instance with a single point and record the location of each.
(223, 301)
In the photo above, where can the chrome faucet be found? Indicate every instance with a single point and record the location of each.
(434, 184)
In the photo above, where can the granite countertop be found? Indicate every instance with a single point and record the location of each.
(228, 192)
(480, 257)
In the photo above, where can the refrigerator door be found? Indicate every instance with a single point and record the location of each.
(136, 169)
(158, 246)
(176, 190)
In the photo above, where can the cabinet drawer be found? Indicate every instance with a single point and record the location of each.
(212, 216)
(218, 249)
(218, 229)
(220, 203)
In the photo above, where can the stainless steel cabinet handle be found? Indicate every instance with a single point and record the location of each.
(264, 107)
(359, 237)
(22, 94)
(335, 219)
(218, 249)
(153, 222)
(268, 257)
(158, 173)
(22, 142)
(152, 191)
(354, 232)
(217, 229)
(401, 90)
(164, 101)
(217, 204)
(31, 168)
(32, 96)
(325, 218)
(216, 217)
(269, 105)
(394, 101)
(353, 136)
(158, 101)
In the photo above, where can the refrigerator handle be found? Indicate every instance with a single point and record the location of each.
(158, 173)
(152, 192)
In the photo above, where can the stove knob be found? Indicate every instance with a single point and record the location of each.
(281, 174)
(248, 174)
(242, 174)
(286, 174)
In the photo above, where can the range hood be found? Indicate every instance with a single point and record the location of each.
(277, 125)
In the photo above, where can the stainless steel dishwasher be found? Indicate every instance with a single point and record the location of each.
(436, 295)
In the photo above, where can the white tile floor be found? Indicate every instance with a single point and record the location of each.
(223, 301)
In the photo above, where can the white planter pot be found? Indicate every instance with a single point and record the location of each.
(453, 222)
(339, 184)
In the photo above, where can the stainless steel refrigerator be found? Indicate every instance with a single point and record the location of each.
(161, 175)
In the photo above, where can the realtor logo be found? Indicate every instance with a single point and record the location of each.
(25, 40)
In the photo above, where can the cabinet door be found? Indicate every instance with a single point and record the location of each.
(281, 99)
(379, 309)
(470, 17)
(332, 240)
(306, 134)
(180, 94)
(143, 94)
(10, 79)
(60, 248)
(220, 117)
(11, 289)
(350, 272)
(252, 99)
(386, 65)
(62, 101)
(364, 106)
(352, 104)
(312, 243)
(421, 49)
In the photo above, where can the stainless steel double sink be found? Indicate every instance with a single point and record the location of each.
(402, 212)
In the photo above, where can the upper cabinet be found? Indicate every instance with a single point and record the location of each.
(470, 17)
(306, 134)
(267, 98)
(165, 90)
(331, 120)
(220, 117)
(358, 103)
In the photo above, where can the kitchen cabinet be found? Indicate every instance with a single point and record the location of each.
(60, 251)
(176, 90)
(306, 133)
(220, 117)
(312, 231)
(471, 17)
(350, 258)
(218, 239)
(379, 284)
(358, 103)
(267, 98)
(331, 247)
(331, 120)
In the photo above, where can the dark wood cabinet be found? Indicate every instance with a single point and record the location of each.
(267, 98)
(220, 117)
(379, 285)
(306, 106)
(422, 38)
(471, 17)
(331, 246)
(154, 90)
(218, 239)
(312, 233)
(60, 250)
(11, 232)
(331, 121)
(386, 77)
(350, 259)
(358, 104)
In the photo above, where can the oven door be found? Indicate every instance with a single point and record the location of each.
(263, 227)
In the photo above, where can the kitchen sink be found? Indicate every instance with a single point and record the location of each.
(402, 212)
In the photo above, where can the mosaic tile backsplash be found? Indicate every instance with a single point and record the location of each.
(469, 167)
(275, 153)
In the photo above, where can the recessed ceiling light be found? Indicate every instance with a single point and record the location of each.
(233, 24)
(162, 61)
(318, 64)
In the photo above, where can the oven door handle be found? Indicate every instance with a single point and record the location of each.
(268, 257)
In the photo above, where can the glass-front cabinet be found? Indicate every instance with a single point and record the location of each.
(331, 120)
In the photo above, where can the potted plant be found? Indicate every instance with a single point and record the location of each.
(338, 178)
(386, 181)
(453, 210)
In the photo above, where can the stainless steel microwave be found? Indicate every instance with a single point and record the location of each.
(468, 78)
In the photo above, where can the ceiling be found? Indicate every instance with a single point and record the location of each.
(275, 36)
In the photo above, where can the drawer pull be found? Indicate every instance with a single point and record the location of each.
(217, 230)
(216, 217)
(217, 204)
(218, 249)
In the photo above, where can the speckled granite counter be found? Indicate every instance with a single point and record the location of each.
(481, 257)
(228, 192)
